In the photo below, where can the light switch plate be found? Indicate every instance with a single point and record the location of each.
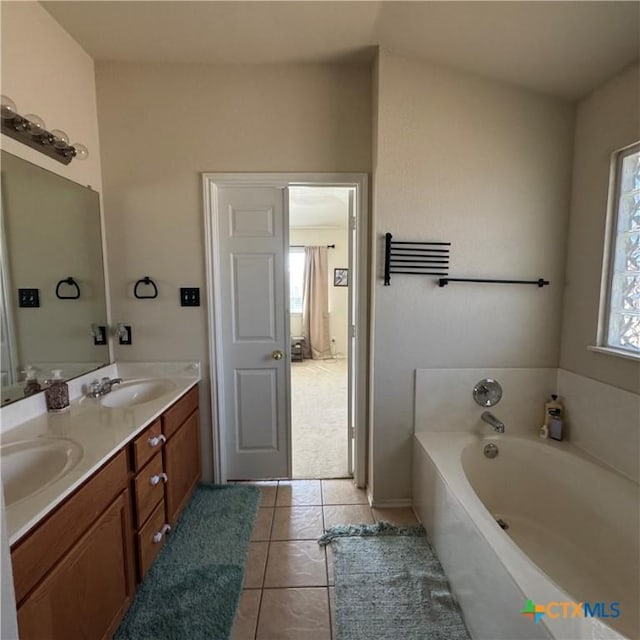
(28, 297)
(189, 296)
(128, 339)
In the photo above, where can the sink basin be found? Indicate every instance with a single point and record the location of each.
(136, 392)
(31, 465)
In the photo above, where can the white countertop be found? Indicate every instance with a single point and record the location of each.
(99, 430)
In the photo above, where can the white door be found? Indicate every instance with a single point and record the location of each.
(253, 323)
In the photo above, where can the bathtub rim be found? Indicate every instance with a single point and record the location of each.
(444, 449)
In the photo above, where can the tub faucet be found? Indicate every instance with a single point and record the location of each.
(489, 418)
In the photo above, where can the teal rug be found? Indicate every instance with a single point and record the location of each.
(193, 588)
(390, 585)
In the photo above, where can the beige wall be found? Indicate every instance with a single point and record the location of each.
(161, 126)
(606, 120)
(338, 296)
(486, 166)
(45, 71)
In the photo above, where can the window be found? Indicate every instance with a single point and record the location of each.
(296, 279)
(622, 312)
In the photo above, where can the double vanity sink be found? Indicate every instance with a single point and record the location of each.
(46, 458)
(28, 466)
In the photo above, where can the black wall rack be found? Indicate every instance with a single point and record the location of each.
(415, 258)
(540, 282)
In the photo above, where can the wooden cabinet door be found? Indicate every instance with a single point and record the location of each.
(90, 589)
(182, 466)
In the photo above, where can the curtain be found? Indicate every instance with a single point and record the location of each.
(315, 304)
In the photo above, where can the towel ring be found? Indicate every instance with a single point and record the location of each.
(71, 282)
(145, 281)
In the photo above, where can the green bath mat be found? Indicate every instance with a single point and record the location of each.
(193, 588)
(390, 586)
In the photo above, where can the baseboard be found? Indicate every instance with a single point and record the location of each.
(390, 504)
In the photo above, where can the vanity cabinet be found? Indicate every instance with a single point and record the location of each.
(89, 590)
(75, 573)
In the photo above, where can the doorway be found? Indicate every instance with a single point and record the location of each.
(247, 240)
(319, 258)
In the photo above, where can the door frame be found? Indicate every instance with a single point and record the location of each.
(360, 182)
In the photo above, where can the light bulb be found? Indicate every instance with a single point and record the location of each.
(61, 139)
(35, 124)
(81, 152)
(9, 109)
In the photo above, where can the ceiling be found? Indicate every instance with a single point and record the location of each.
(560, 48)
(318, 207)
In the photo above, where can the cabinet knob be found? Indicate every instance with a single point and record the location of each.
(153, 480)
(157, 537)
(156, 440)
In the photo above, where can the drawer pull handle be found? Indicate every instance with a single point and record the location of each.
(153, 480)
(157, 537)
(156, 440)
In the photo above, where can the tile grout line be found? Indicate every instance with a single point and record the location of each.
(264, 575)
(326, 562)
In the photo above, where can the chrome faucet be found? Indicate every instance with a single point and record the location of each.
(489, 418)
(99, 388)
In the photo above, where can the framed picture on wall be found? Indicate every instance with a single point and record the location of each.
(341, 277)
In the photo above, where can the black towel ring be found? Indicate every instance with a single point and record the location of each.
(149, 281)
(71, 282)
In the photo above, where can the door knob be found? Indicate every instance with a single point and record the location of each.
(277, 354)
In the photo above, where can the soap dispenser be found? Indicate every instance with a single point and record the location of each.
(553, 410)
(57, 392)
(31, 382)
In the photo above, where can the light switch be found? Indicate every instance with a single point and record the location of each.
(189, 296)
(28, 297)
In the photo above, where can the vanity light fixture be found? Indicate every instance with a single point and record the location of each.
(31, 130)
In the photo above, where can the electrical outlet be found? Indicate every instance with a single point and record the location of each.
(28, 297)
(126, 339)
(100, 335)
(189, 296)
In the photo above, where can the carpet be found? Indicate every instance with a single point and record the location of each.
(389, 585)
(193, 588)
(319, 418)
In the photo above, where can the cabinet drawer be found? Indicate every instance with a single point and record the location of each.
(33, 556)
(179, 412)
(151, 539)
(149, 488)
(147, 444)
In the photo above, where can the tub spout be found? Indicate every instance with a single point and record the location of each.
(489, 418)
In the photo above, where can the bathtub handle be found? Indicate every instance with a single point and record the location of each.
(487, 392)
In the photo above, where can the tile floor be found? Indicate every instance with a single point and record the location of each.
(288, 588)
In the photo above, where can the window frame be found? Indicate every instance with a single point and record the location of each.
(609, 255)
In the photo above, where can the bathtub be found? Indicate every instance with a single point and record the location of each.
(573, 534)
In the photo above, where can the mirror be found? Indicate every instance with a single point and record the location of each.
(53, 310)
